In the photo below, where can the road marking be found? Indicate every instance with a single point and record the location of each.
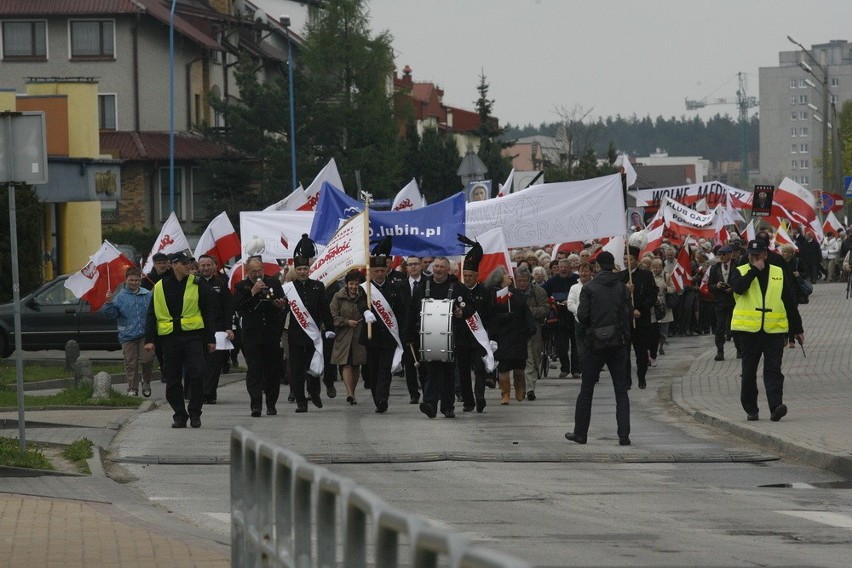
(223, 517)
(837, 520)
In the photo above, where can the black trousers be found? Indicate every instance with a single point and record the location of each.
(300, 361)
(467, 360)
(213, 370)
(440, 385)
(615, 360)
(641, 339)
(329, 375)
(723, 327)
(184, 354)
(415, 377)
(379, 361)
(771, 347)
(565, 344)
(263, 375)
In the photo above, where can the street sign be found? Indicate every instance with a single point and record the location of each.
(847, 184)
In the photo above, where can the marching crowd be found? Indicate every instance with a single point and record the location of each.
(453, 335)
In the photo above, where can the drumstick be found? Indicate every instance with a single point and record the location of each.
(414, 355)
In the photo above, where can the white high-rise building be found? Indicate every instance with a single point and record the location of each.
(793, 111)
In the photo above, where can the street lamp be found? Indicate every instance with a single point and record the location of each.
(285, 21)
(825, 107)
(172, 108)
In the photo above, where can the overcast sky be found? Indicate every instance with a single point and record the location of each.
(624, 57)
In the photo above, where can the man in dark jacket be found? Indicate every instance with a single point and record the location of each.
(605, 312)
(260, 300)
(719, 283)
(644, 297)
(223, 313)
(415, 375)
(564, 340)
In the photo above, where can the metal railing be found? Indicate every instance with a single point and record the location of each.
(287, 512)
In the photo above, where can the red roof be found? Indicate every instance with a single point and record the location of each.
(154, 146)
(464, 120)
(158, 9)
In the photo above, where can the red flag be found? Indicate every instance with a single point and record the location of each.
(682, 273)
(792, 201)
(832, 223)
(219, 240)
(104, 272)
(503, 295)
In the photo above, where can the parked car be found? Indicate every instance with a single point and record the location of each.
(51, 316)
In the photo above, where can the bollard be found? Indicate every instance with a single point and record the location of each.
(102, 385)
(72, 353)
(82, 370)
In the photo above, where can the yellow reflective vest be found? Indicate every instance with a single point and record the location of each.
(190, 317)
(755, 311)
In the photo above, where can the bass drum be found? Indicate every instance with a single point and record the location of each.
(436, 331)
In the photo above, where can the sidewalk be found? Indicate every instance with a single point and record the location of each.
(92, 520)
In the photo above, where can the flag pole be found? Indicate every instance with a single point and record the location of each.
(627, 248)
(366, 197)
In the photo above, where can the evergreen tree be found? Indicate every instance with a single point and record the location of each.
(28, 219)
(490, 148)
(439, 161)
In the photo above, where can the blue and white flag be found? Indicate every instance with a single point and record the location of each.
(430, 230)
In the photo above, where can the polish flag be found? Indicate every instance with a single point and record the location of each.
(682, 273)
(655, 231)
(495, 253)
(104, 272)
(507, 187)
(573, 246)
(749, 231)
(408, 198)
(832, 223)
(793, 201)
(782, 238)
(290, 203)
(628, 171)
(219, 240)
(238, 271)
(328, 174)
(171, 239)
(615, 246)
(502, 296)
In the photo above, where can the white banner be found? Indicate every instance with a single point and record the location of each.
(552, 212)
(674, 211)
(383, 309)
(279, 230)
(346, 250)
(303, 318)
(714, 193)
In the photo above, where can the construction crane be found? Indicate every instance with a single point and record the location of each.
(743, 102)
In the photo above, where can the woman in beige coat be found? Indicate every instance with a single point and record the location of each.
(347, 309)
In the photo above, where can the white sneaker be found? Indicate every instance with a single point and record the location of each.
(131, 392)
(652, 362)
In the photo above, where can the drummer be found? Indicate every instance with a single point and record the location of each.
(440, 377)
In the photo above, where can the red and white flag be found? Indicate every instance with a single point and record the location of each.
(104, 272)
(238, 271)
(832, 223)
(749, 231)
(615, 246)
(782, 238)
(495, 253)
(330, 174)
(292, 202)
(791, 200)
(408, 198)
(507, 187)
(219, 240)
(655, 231)
(171, 239)
(682, 273)
(503, 295)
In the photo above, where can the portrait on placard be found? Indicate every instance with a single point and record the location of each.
(635, 218)
(479, 190)
(761, 205)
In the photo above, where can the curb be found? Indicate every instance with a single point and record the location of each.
(12, 471)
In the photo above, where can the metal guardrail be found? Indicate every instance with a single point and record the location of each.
(289, 513)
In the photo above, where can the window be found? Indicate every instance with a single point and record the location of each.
(92, 39)
(164, 193)
(792, 83)
(106, 112)
(794, 116)
(109, 211)
(835, 99)
(24, 40)
(802, 84)
(803, 148)
(805, 164)
(803, 132)
(803, 115)
(794, 131)
(806, 180)
(835, 82)
(794, 149)
(794, 165)
(793, 100)
(200, 196)
(803, 99)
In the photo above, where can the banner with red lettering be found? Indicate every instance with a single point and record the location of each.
(408, 198)
(346, 250)
(171, 239)
(714, 193)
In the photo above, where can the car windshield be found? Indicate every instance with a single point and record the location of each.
(56, 294)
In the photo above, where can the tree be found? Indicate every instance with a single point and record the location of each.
(439, 161)
(490, 148)
(28, 218)
(349, 112)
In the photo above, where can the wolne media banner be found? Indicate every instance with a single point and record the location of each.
(430, 230)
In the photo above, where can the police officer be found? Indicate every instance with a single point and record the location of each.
(260, 301)
(309, 312)
(223, 313)
(181, 316)
(766, 310)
